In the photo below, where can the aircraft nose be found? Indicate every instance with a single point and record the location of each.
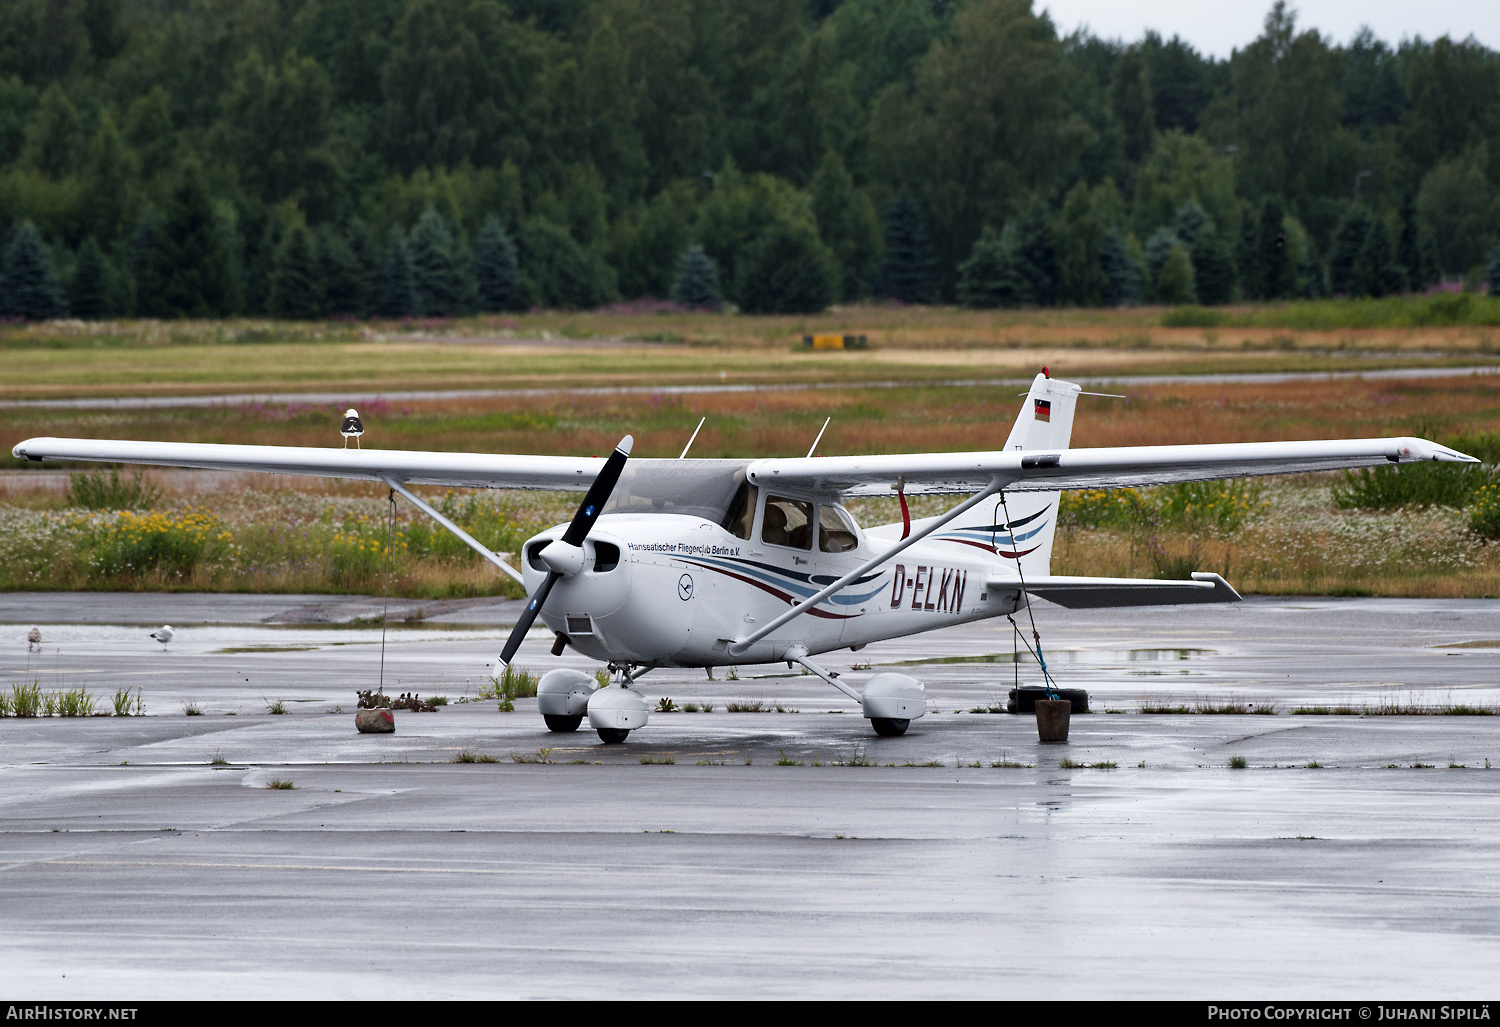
(563, 558)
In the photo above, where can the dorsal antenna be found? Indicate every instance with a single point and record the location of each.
(695, 436)
(820, 436)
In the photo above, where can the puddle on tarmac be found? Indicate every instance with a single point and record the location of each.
(1100, 657)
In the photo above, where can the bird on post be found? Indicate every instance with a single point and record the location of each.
(353, 427)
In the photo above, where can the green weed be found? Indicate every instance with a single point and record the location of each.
(75, 702)
(106, 490)
(26, 700)
(1415, 484)
(541, 756)
(127, 705)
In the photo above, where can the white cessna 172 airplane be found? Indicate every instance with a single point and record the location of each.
(706, 563)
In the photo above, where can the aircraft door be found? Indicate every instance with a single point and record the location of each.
(838, 552)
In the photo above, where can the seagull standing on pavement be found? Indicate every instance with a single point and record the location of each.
(163, 634)
(34, 636)
(353, 427)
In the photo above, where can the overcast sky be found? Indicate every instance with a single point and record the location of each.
(1218, 26)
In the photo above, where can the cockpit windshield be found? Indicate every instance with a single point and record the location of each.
(697, 488)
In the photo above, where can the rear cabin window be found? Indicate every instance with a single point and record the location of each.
(836, 532)
(787, 522)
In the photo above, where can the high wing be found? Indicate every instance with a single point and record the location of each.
(470, 470)
(1109, 467)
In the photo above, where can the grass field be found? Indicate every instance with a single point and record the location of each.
(635, 347)
(266, 534)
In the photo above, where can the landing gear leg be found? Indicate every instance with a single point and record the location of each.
(884, 695)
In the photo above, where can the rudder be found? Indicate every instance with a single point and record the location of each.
(1019, 528)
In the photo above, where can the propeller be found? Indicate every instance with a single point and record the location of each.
(564, 556)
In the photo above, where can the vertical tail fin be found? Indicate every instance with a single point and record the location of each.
(1019, 529)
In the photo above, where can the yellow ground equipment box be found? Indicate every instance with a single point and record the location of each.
(835, 341)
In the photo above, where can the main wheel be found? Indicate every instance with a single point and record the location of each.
(613, 735)
(562, 722)
(889, 727)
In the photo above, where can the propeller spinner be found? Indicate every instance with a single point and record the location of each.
(564, 557)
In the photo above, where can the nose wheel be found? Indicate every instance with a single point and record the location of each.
(613, 735)
(890, 727)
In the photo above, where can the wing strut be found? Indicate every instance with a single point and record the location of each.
(739, 646)
(468, 540)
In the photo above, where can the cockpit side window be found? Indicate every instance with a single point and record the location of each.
(836, 531)
(787, 522)
(741, 515)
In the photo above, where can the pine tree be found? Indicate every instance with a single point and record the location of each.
(190, 274)
(1246, 256)
(296, 292)
(371, 267)
(341, 274)
(1273, 257)
(787, 270)
(105, 189)
(90, 297)
(1492, 271)
(1428, 270)
(1347, 241)
(1123, 273)
(991, 277)
(146, 274)
(907, 274)
(398, 296)
(1375, 272)
(496, 269)
(1174, 283)
(847, 224)
(697, 283)
(1213, 270)
(1408, 251)
(1036, 256)
(1190, 220)
(1160, 243)
(559, 273)
(29, 288)
(436, 270)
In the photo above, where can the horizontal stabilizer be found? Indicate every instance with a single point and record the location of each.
(1078, 593)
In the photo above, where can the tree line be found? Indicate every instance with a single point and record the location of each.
(328, 158)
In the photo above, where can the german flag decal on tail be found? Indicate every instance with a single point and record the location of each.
(1042, 409)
